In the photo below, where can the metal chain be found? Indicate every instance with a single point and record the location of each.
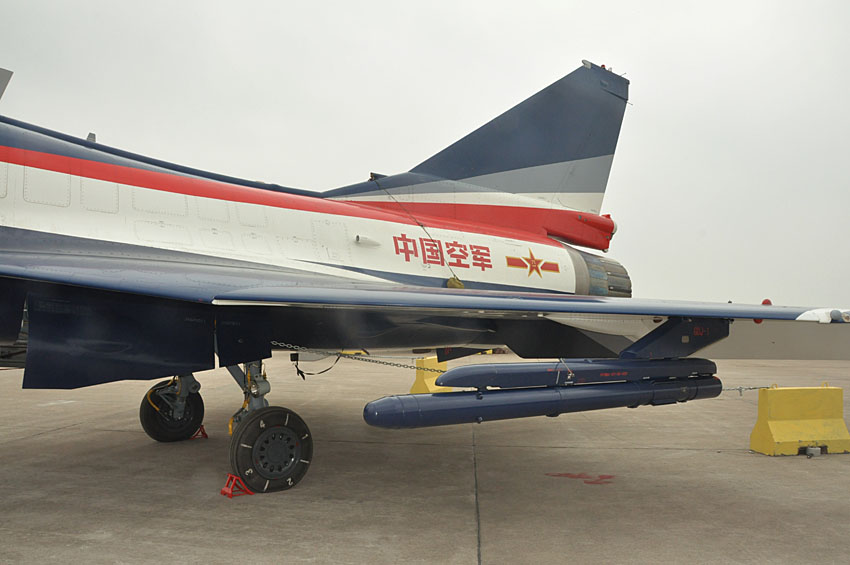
(355, 357)
(741, 389)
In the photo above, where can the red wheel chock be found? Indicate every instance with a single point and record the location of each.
(234, 487)
(201, 433)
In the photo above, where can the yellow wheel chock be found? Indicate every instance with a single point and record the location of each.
(794, 418)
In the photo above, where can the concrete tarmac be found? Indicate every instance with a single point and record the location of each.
(673, 484)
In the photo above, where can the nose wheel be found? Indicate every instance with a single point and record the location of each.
(271, 449)
(172, 410)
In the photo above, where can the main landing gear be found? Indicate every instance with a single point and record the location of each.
(270, 446)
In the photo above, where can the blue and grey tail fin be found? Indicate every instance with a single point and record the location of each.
(557, 147)
(5, 77)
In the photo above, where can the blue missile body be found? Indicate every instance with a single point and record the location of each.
(572, 371)
(423, 410)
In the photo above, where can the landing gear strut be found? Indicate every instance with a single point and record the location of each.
(172, 410)
(271, 446)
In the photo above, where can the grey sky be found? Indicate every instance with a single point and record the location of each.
(730, 179)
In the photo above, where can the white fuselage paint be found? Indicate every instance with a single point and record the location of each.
(48, 201)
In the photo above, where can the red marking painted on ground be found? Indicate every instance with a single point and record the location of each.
(601, 480)
(588, 480)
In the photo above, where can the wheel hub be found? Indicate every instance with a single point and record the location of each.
(275, 451)
(167, 413)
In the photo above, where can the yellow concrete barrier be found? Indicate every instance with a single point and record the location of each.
(798, 417)
(424, 382)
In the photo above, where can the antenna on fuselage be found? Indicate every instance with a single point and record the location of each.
(5, 77)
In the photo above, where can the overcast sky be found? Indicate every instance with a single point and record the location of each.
(730, 180)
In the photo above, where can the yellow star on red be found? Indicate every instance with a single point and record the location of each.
(533, 264)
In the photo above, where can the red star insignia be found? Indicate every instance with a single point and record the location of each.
(533, 264)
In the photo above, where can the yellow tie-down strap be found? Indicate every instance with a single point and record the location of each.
(793, 418)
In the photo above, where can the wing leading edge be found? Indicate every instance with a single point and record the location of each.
(491, 303)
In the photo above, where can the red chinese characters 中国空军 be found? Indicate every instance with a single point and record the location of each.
(436, 252)
(405, 246)
(432, 251)
(458, 254)
(480, 257)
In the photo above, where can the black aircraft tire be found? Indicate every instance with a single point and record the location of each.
(159, 424)
(271, 450)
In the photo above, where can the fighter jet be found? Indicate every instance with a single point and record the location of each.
(118, 266)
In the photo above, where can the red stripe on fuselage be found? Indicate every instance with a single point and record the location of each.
(581, 228)
(206, 188)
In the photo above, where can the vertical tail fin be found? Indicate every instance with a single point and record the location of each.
(557, 146)
(5, 77)
(540, 167)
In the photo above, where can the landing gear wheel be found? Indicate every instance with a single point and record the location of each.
(271, 449)
(157, 420)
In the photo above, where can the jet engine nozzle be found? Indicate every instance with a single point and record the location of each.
(599, 276)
